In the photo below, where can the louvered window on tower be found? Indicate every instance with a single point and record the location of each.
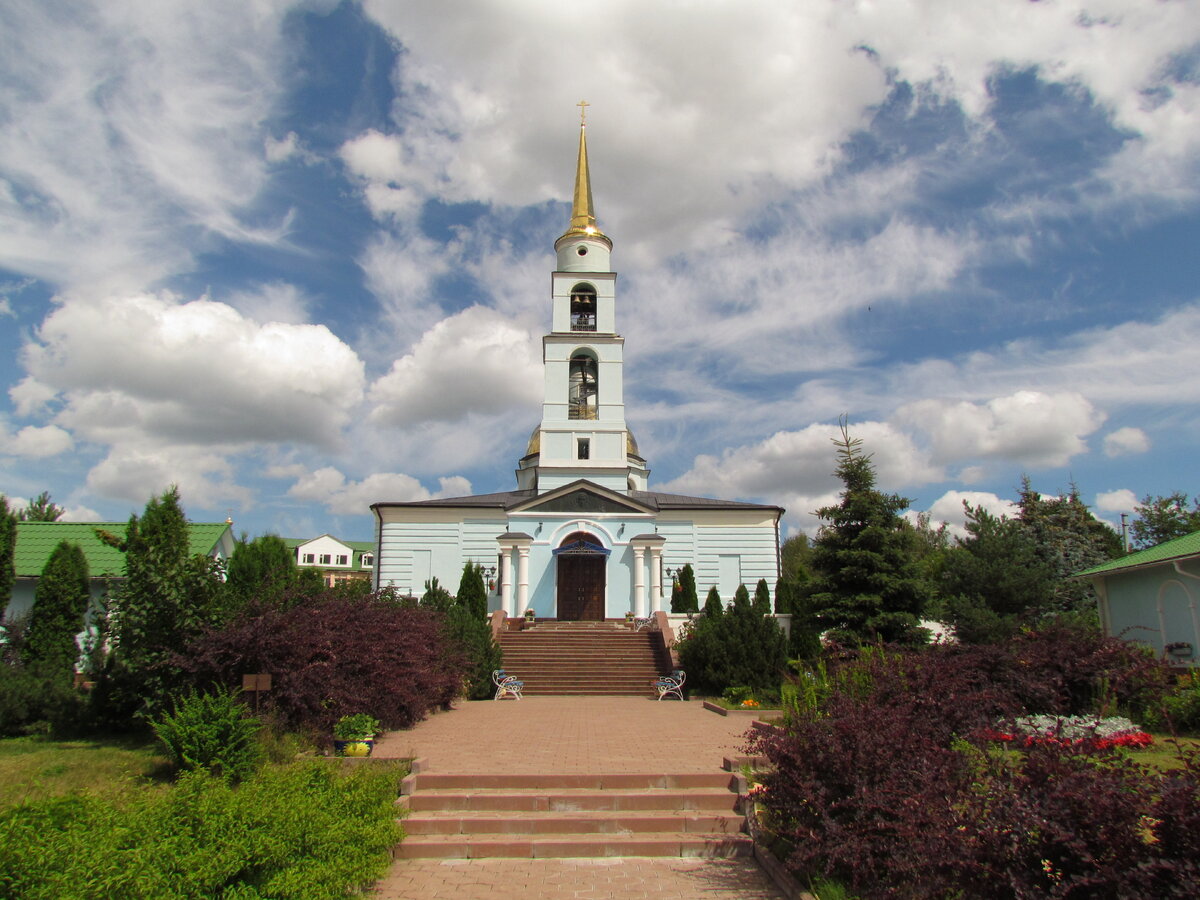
(583, 308)
(584, 387)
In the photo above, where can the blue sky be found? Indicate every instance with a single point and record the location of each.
(295, 257)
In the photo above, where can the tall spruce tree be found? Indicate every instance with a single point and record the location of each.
(867, 587)
(684, 598)
(1158, 519)
(472, 594)
(60, 604)
(41, 509)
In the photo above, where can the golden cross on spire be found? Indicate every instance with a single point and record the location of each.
(583, 105)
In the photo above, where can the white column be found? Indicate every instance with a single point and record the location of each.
(656, 588)
(506, 585)
(522, 579)
(639, 582)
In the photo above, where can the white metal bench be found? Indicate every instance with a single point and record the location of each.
(507, 685)
(671, 685)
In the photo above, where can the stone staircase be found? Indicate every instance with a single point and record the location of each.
(545, 816)
(583, 658)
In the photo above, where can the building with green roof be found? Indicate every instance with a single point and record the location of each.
(1153, 596)
(37, 540)
(337, 560)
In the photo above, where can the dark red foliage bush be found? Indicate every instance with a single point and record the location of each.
(891, 786)
(331, 656)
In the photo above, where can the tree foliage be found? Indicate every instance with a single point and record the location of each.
(472, 594)
(262, 569)
(60, 604)
(8, 547)
(762, 597)
(713, 607)
(1158, 519)
(1069, 539)
(742, 647)
(168, 597)
(41, 509)
(684, 598)
(867, 587)
(995, 578)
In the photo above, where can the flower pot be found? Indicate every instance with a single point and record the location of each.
(355, 747)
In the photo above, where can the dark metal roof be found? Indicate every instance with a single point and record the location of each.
(652, 499)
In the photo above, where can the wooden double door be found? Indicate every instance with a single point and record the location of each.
(581, 586)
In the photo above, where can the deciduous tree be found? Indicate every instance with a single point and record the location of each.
(261, 569)
(1158, 519)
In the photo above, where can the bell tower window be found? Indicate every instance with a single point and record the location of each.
(583, 308)
(584, 448)
(583, 388)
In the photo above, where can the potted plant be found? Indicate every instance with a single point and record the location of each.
(529, 615)
(629, 618)
(354, 735)
(1179, 648)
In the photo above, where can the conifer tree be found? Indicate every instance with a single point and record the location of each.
(472, 594)
(8, 548)
(867, 588)
(60, 605)
(41, 509)
(684, 598)
(713, 607)
(762, 597)
(263, 569)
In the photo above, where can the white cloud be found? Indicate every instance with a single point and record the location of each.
(329, 487)
(1119, 501)
(473, 362)
(1030, 427)
(948, 508)
(81, 513)
(137, 125)
(275, 301)
(38, 442)
(1125, 441)
(199, 372)
(30, 397)
(136, 473)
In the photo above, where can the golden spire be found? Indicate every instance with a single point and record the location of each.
(583, 217)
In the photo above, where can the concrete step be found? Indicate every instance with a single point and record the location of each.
(457, 846)
(620, 781)
(593, 822)
(570, 800)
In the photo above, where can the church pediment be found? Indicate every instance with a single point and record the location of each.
(583, 497)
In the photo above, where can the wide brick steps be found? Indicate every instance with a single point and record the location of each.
(542, 816)
(586, 658)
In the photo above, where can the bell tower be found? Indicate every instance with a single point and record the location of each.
(583, 434)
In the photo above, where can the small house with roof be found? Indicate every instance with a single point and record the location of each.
(582, 537)
(1153, 596)
(37, 540)
(338, 561)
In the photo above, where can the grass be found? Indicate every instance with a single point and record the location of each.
(1163, 753)
(36, 767)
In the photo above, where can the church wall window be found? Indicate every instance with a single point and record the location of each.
(583, 387)
(583, 308)
(584, 448)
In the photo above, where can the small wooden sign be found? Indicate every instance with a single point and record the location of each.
(256, 682)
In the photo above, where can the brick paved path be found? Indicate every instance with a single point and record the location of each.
(570, 735)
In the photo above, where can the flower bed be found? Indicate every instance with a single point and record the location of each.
(1114, 731)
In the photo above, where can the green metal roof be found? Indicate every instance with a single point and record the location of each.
(37, 540)
(1181, 548)
(359, 548)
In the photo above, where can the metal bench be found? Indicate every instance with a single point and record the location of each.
(649, 622)
(507, 685)
(672, 684)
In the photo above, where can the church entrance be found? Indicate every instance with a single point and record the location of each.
(582, 562)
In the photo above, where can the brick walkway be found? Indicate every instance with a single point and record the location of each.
(572, 735)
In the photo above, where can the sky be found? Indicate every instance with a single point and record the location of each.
(295, 257)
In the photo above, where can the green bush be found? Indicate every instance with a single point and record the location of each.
(35, 700)
(211, 732)
(1179, 710)
(309, 831)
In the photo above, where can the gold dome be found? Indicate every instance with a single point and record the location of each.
(631, 447)
(535, 442)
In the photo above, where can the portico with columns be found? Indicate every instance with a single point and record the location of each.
(582, 536)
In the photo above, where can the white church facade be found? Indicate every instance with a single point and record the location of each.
(582, 536)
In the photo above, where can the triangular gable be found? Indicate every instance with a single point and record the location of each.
(582, 496)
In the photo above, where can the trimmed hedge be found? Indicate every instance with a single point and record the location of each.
(309, 831)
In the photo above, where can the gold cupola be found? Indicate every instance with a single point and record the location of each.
(583, 216)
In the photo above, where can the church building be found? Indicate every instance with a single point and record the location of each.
(582, 536)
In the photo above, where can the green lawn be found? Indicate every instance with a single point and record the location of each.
(1162, 754)
(33, 768)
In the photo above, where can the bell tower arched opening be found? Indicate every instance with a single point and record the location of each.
(583, 391)
(583, 307)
